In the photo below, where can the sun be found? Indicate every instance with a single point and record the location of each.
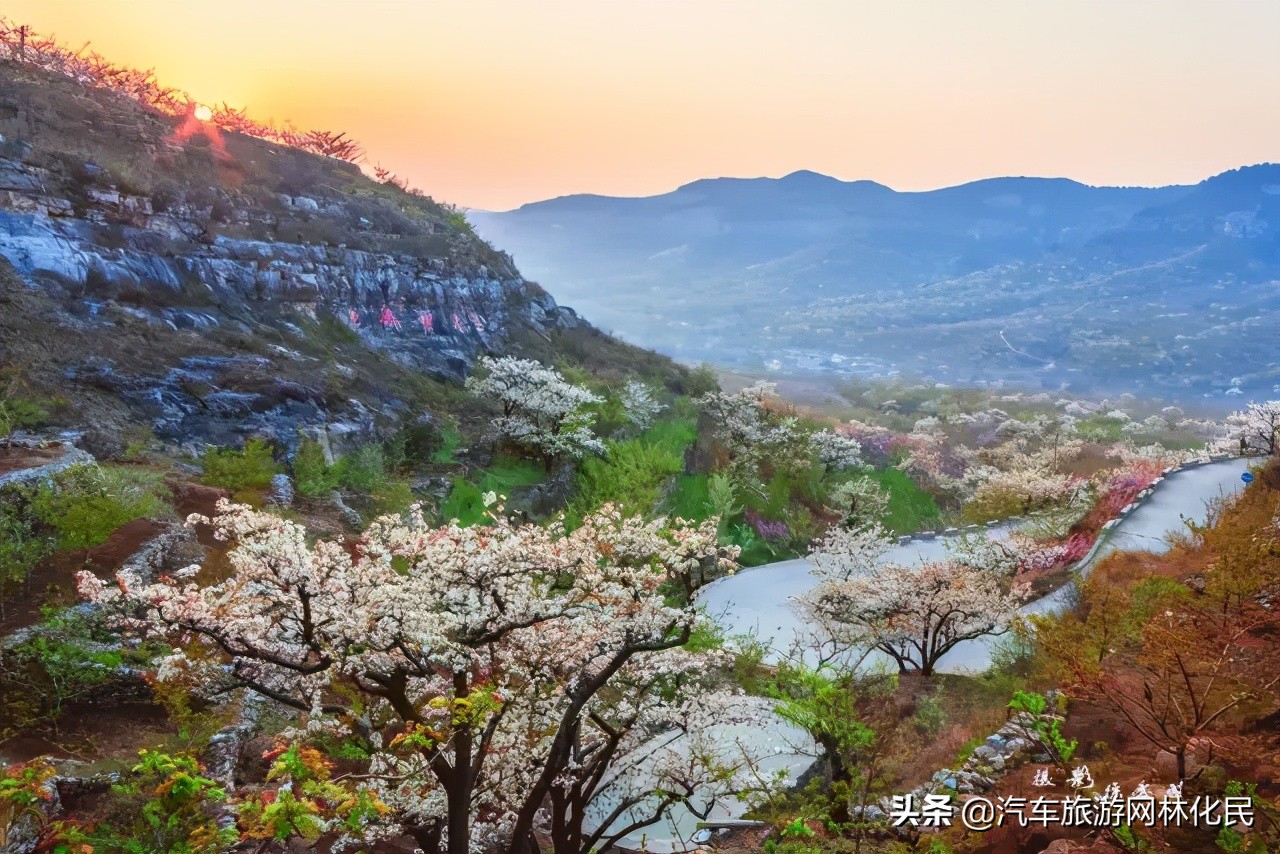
(202, 113)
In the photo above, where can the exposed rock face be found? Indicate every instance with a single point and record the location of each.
(429, 310)
(111, 253)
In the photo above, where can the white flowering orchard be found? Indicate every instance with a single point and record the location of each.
(495, 672)
(541, 410)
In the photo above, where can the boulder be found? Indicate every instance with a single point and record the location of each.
(281, 493)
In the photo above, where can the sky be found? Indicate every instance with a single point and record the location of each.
(494, 103)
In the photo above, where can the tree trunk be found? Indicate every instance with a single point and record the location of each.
(459, 800)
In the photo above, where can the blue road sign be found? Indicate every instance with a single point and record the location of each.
(1247, 477)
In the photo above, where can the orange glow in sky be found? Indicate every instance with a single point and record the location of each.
(492, 103)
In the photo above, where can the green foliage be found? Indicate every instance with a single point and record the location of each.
(1154, 594)
(691, 497)
(363, 471)
(822, 706)
(930, 716)
(23, 790)
(311, 474)
(85, 503)
(1100, 428)
(465, 501)
(1129, 839)
(723, 496)
(19, 413)
(701, 380)
(678, 430)
(251, 467)
(1264, 834)
(164, 806)
(66, 655)
(630, 476)
(1048, 731)
(966, 750)
(456, 218)
(330, 331)
(756, 551)
(450, 441)
(910, 507)
(21, 548)
(414, 445)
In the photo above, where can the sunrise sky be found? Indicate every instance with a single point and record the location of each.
(492, 103)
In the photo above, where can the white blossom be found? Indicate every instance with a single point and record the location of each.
(1255, 428)
(514, 658)
(639, 404)
(540, 408)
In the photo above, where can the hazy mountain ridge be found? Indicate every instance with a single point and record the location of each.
(1168, 290)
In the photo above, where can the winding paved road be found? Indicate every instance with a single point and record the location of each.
(758, 601)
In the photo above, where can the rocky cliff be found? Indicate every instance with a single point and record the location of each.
(211, 285)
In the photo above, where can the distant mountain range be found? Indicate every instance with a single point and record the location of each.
(1168, 291)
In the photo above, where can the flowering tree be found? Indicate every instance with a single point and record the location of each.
(491, 671)
(862, 501)
(913, 614)
(1256, 429)
(849, 552)
(754, 430)
(759, 436)
(836, 451)
(541, 410)
(1027, 488)
(639, 404)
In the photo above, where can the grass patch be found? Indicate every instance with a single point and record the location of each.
(450, 441)
(84, 504)
(465, 501)
(633, 472)
(251, 467)
(691, 498)
(910, 507)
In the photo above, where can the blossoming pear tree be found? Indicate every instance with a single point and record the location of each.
(836, 451)
(496, 673)
(541, 410)
(913, 614)
(639, 404)
(1254, 429)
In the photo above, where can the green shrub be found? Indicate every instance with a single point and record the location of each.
(1048, 731)
(930, 716)
(362, 471)
(630, 476)
(701, 380)
(251, 467)
(68, 654)
(21, 548)
(414, 446)
(164, 805)
(18, 413)
(85, 503)
(311, 474)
